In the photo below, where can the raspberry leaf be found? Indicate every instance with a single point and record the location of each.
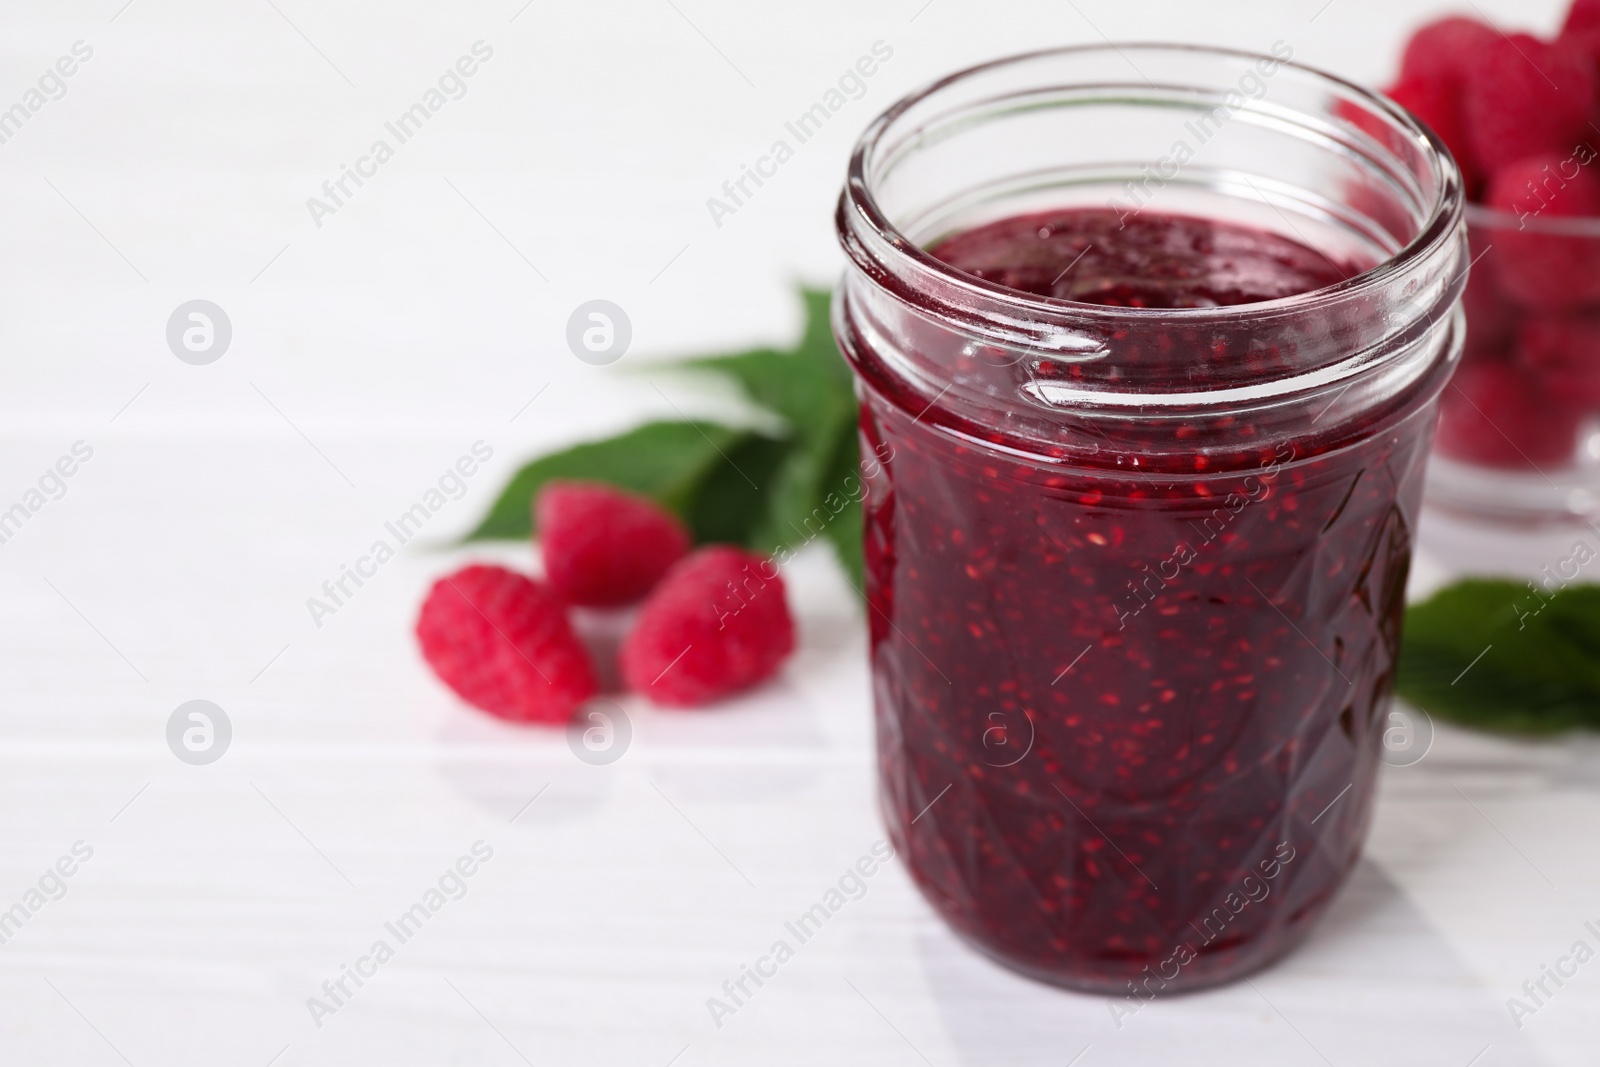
(817, 343)
(809, 387)
(1494, 654)
(801, 385)
(844, 532)
(785, 383)
(727, 508)
(667, 461)
(730, 485)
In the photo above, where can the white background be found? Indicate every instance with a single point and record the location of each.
(372, 351)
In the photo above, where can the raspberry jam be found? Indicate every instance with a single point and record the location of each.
(1136, 560)
(1144, 261)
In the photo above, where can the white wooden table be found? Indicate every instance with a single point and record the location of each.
(367, 353)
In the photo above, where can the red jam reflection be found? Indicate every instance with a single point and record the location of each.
(1128, 721)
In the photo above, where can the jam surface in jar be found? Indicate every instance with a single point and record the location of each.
(1130, 698)
(1096, 256)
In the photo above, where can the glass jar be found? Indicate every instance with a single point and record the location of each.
(1136, 577)
(1519, 430)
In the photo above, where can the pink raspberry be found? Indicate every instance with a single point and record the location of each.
(1583, 31)
(1525, 97)
(1540, 269)
(1498, 415)
(1583, 17)
(604, 547)
(1434, 69)
(717, 623)
(502, 642)
(1549, 183)
(1445, 50)
(1582, 27)
(1563, 352)
(1438, 104)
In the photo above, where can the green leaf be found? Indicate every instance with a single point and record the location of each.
(666, 461)
(731, 503)
(845, 531)
(818, 345)
(735, 485)
(802, 384)
(810, 388)
(832, 508)
(1492, 653)
(792, 385)
(802, 484)
(821, 475)
(817, 342)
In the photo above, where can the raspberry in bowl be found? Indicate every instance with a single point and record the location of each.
(1519, 435)
(1155, 437)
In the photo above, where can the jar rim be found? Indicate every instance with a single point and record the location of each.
(1445, 214)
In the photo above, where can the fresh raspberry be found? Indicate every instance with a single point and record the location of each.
(503, 643)
(1437, 62)
(1583, 17)
(1445, 51)
(1438, 104)
(718, 622)
(1538, 268)
(1498, 415)
(1588, 43)
(1550, 183)
(1526, 97)
(1563, 353)
(604, 547)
